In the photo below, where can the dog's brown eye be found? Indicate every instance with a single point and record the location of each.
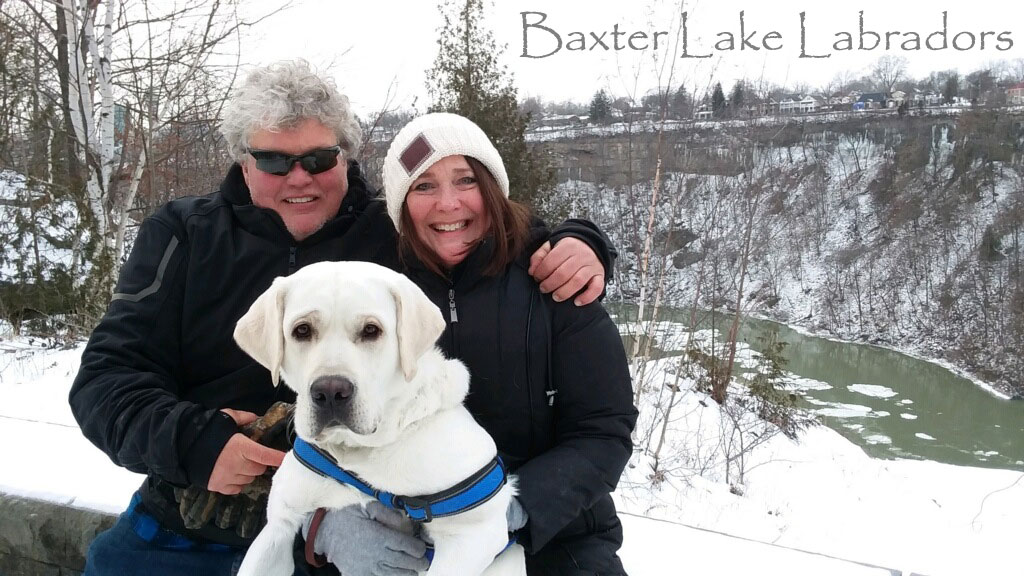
(302, 331)
(370, 332)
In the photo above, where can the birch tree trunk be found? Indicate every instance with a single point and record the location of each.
(94, 139)
(645, 259)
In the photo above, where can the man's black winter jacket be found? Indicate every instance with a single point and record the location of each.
(162, 361)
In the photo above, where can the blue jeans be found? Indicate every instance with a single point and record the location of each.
(122, 551)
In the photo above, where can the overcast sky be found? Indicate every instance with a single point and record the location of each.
(372, 46)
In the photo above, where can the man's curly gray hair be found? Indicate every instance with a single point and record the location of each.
(280, 96)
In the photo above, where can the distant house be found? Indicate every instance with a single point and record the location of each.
(1015, 94)
(809, 104)
(752, 110)
(870, 101)
(120, 122)
(921, 98)
(896, 99)
(836, 102)
(789, 104)
(799, 104)
(637, 113)
(839, 98)
(560, 120)
(704, 112)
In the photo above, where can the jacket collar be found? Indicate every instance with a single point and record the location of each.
(268, 222)
(464, 275)
(468, 272)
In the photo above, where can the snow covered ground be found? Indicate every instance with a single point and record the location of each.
(817, 506)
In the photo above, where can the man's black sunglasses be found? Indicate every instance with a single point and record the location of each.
(280, 164)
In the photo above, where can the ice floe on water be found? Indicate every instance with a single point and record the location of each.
(872, 390)
(906, 402)
(796, 383)
(878, 439)
(906, 416)
(924, 436)
(839, 410)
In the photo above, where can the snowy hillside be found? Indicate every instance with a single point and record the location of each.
(899, 232)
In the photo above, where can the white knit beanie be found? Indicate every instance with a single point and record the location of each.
(424, 141)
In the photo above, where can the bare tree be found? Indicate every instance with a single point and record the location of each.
(843, 80)
(1016, 70)
(887, 71)
(126, 97)
(130, 73)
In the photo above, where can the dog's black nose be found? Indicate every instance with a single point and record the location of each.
(331, 392)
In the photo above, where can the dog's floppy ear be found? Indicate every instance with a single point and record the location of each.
(419, 323)
(259, 332)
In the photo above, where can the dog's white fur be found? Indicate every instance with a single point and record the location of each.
(406, 432)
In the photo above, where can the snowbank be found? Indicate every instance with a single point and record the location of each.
(817, 506)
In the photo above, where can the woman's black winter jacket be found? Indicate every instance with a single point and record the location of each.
(550, 382)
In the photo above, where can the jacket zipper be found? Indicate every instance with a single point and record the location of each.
(451, 306)
(291, 259)
(453, 319)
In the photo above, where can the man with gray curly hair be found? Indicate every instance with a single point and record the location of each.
(282, 107)
(164, 390)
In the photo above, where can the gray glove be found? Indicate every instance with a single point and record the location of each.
(375, 541)
(516, 515)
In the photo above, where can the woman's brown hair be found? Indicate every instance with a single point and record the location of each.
(510, 226)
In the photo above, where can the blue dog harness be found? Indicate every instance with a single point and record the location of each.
(466, 495)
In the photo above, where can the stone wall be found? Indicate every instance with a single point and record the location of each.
(40, 538)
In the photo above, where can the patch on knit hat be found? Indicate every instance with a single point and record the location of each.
(415, 153)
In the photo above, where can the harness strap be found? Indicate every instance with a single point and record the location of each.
(512, 539)
(312, 558)
(466, 495)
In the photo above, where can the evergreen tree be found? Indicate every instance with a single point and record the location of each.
(467, 79)
(718, 100)
(600, 105)
(681, 104)
(656, 101)
(767, 396)
(736, 98)
(951, 89)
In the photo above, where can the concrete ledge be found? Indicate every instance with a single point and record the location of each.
(40, 538)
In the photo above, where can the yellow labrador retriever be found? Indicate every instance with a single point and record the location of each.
(356, 343)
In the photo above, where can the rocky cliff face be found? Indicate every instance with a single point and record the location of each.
(898, 231)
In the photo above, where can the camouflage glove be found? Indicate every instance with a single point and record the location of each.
(245, 512)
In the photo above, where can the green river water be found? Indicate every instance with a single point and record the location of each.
(891, 404)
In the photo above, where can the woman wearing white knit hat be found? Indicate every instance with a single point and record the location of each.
(550, 380)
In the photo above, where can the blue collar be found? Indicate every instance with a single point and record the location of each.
(466, 495)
